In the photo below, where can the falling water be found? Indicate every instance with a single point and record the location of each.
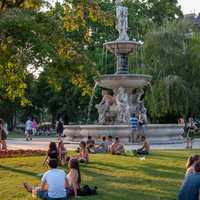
(91, 103)
(152, 96)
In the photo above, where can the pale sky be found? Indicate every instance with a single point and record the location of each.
(190, 6)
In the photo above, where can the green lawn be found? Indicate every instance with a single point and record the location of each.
(157, 177)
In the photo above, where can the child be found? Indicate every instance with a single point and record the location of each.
(84, 155)
(62, 153)
(52, 152)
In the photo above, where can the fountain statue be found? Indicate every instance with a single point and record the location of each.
(127, 88)
(127, 94)
(122, 21)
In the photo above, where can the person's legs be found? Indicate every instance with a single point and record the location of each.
(36, 192)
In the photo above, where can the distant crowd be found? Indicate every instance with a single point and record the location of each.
(32, 128)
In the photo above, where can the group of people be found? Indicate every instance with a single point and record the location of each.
(30, 128)
(105, 145)
(190, 128)
(55, 183)
(115, 147)
(190, 189)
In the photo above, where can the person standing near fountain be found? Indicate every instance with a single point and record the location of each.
(133, 122)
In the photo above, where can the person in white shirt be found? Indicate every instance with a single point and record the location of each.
(28, 129)
(54, 184)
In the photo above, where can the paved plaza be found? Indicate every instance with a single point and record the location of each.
(42, 144)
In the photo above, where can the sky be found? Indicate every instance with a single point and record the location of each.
(190, 6)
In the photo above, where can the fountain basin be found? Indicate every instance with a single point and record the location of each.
(132, 81)
(156, 133)
(121, 47)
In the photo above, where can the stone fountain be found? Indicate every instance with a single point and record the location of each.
(127, 94)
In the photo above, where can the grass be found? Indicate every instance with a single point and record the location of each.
(158, 177)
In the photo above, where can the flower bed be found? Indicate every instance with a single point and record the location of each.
(21, 153)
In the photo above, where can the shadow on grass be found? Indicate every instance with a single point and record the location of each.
(25, 172)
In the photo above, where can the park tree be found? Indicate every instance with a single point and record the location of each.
(172, 57)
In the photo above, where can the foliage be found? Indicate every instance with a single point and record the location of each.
(171, 55)
(66, 43)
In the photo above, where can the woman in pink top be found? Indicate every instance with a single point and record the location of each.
(34, 127)
(74, 177)
(192, 160)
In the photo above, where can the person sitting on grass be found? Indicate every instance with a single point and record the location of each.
(90, 144)
(52, 152)
(117, 148)
(102, 147)
(192, 160)
(74, 177)
(109, 142)
(191, 186)
(144, 150)
(53, 184)
(84, 155)
(62, 153)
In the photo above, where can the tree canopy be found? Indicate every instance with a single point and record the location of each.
(65, 43)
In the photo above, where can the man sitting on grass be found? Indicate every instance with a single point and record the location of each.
(117, 148)
(191, 186)
(102, 147)
(144, 150)
(53, 184)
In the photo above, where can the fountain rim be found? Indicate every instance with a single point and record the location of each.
(123, 42)
(116, 76)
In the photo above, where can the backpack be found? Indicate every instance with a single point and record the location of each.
(87, 191)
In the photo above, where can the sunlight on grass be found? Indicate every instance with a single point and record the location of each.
(157, 177)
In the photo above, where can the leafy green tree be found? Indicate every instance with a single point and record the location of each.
(171, 56)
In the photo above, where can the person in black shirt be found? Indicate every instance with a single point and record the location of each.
(52, 152)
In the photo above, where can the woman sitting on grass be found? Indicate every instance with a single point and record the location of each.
(52, 152)
(117, 148)
(62, 153)
(190, 187)
(192, 160)
(84, 155)
(74, 177)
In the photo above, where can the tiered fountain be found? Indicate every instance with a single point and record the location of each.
(127, 98)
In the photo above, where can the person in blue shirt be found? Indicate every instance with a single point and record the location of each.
(190, 189)
(134, 124)
(54, 184)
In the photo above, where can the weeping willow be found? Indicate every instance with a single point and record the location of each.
(172, 57)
